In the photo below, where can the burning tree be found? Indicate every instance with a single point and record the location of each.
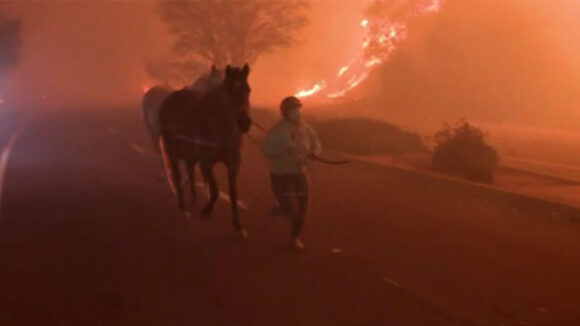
(227, 31)
(10, 43)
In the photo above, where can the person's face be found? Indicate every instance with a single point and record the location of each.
(295, 114)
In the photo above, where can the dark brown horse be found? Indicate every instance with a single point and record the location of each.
(207, 129)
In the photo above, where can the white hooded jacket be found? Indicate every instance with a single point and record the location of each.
(288, 146)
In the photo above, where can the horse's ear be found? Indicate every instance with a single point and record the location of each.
(246, 70)
(229, 71)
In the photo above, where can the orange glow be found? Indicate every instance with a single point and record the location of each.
(343, 70)
(145, 88)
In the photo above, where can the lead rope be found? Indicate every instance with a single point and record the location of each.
(311, 156)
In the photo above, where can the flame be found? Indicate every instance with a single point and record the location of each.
(343, 70)
(310, 91)
(373, 62)
(380, 41)
(366, 43)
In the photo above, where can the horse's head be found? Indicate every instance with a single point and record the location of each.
(237, 86)
(238, 89)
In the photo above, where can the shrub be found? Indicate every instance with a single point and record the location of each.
(461, 149)
(360, 136)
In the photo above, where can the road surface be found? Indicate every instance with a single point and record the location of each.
(91, 235)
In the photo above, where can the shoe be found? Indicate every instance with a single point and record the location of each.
(297, 244)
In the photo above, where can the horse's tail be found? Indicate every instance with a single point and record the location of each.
(151, 106)
(167, 164)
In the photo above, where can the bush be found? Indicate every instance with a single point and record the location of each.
(360, 136)
(461, 149)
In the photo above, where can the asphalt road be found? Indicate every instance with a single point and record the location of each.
(91, 235)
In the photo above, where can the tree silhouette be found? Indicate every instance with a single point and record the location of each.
(227, 31)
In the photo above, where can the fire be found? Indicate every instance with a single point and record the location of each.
(343, 70)
(373, 62)
(380, 41)
(310, 91)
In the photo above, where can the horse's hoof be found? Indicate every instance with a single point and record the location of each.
(243, 233)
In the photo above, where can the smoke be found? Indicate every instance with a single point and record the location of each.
(517, 61)
(511, 63)
(84, 53)
(90, 53)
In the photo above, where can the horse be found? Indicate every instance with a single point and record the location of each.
(155, 96)
(207, 129)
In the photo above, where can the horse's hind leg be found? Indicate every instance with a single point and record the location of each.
(190, 166)
(173, 174)
(233, 186)
(207, 171)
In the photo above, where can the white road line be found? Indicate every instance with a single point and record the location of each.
(139, 149)
(4, 160)
(222, 195)
(392, 282)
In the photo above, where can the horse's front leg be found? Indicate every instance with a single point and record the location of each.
(233, 171)
(176, 174)
(190, 166)
(208, 176)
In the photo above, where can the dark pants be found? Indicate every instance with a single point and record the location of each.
(291, 192)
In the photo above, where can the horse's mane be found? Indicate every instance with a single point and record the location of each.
(208, 81)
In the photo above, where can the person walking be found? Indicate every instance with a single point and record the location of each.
(289, 146)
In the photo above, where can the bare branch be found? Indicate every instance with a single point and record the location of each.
(231, 31)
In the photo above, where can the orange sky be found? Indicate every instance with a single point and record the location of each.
(94, 51)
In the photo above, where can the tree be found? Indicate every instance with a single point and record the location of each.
(10, 43)
(229, 31)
